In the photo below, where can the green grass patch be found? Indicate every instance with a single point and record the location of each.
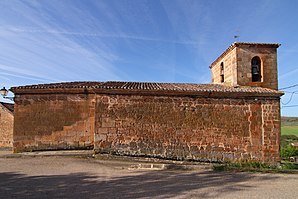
(257, 167)
(289, 130)
(241, 166)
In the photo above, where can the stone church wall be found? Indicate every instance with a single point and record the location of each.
(165, 126)
(197, 128)
(6, 128)
(53, 121)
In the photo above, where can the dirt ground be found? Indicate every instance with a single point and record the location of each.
(74, 177)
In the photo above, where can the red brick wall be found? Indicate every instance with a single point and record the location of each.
(53, 121)
(6, 127)
(203, 129)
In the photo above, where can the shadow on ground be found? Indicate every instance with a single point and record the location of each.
(151, 184)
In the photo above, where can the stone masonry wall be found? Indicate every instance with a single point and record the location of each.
(268, 66)
(6, 128)
(53, 121)
(271, 130)
(230, 69)
(204, 129)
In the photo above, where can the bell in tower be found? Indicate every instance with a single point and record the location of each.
(256, 69)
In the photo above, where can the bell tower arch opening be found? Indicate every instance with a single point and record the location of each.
(222, 73)
(256, 69)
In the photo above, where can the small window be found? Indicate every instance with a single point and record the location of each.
(256, 69)
(222, 72)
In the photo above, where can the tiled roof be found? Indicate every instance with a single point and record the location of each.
(235, 44)
(146, 86)
(258, 44)
(8, 106)
(180, 87)
(60, 85)
(130, 85)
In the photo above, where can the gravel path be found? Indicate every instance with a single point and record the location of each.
(73, 177)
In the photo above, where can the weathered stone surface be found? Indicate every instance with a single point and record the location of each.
(202, 129)
(53, 121)
(6, 127)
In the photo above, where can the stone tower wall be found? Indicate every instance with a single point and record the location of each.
(230, 69)
(237, 65)
(268, 66)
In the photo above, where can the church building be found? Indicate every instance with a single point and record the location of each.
(234, 119)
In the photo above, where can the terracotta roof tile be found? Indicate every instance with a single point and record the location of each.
(130, 85)
(258, 44)
(153, 86)
(8, 106)
(60, 85)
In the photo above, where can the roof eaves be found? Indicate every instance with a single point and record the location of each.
(276, 45)
(62, 85)
(8, 106)
(145, 87)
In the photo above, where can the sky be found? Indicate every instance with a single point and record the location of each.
(140, 40)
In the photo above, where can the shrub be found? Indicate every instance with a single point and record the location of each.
(288, 151)
(245, 166)
(290, 166)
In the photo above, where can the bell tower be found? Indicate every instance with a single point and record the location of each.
(247, 64)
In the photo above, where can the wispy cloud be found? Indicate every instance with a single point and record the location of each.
(19, 72)
(57, 55)
(106, 40)
(120, 40)
(96, 34)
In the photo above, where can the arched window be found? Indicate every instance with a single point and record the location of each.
(222, 72)
(256, 69)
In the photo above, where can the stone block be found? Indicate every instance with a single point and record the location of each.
(108, 122)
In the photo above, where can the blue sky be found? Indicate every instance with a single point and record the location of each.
(138, 40)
